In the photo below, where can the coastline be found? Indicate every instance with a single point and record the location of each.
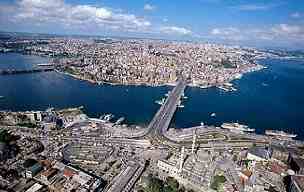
(78, 77)
(179, 133)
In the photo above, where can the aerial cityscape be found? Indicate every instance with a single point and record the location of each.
(117, 96)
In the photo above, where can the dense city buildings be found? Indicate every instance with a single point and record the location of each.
(64, 150)
(149, 62)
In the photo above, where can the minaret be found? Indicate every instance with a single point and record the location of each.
(181, 159)
(193, 146)
(193, 141)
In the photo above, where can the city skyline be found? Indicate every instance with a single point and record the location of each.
(258, 23)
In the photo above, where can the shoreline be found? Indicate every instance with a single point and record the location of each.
(182, 132)
(77, 77)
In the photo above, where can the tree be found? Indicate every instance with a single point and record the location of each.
(155, 185)
(218, 180)
(5, 137)
(172, 183)
(168, 189)
(234, 158)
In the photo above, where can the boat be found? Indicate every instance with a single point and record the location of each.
(223, 88)
(161, 102)
(108, 117)
(180, 104)
(227, 87)
(277, 133)
(1, 97)
(236, 127)
(202, 124)
(238, 76)
(120, 120)
(204, 86)
(167, 94)
(45, 65)
(213, 115)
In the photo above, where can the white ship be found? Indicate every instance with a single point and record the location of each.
(238, 76)
(167, 94)
(108, 117)
(277, 133)
(161, 102)
(119, 121)
(236, 127)
(213, 115)
(180, 105)
(227, 87)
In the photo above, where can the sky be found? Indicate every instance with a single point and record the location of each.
(261, 23)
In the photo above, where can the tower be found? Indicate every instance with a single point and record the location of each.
(181, 160)
(194, 146)
(193, 142)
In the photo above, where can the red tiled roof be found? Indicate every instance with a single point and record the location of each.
(68, 172)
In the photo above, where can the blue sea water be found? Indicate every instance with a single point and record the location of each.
(269, 99)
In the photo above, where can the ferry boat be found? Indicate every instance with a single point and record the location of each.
(161, 102)
(227, 87)
(119, 121)
(203, 86)
(180, 104)
(277, 133)
(236, 127)
(108, 117)
(167, 94)
(45, 64)
(238, 76)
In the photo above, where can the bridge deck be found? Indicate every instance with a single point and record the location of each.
(22, 71)
(162, 118)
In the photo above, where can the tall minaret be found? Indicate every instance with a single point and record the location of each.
(193, 142)
(181, 163)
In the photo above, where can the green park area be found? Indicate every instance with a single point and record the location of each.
(217, 183)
